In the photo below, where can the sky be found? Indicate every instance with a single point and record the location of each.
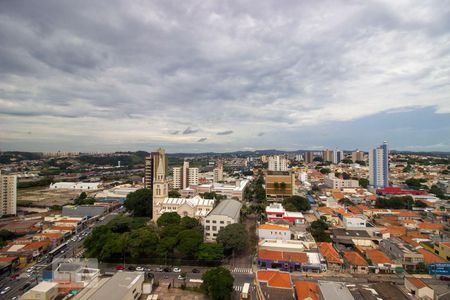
(197, 76)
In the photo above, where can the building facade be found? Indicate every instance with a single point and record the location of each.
(160, 185)
(279, 184)
(225, 213)
(218, 172)
(196, 207)
(151, 165)
(357, 156)
(183, 177)
(8, 194)
(379, 166)
(278, 163)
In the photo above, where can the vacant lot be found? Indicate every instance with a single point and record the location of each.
(43, 196)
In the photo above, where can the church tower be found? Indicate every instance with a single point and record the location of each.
(160, 185)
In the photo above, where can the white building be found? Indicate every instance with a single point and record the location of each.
(8, 194)
(226, 213)
(274, 231)
(379, 166)
(43, 291)
(338, 183)
(278, 163)
(303, 177)
(76, 185)
(230, 191)
(183, 177)
(354, 221)
(196, 207)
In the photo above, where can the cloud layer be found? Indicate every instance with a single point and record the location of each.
(110, 75)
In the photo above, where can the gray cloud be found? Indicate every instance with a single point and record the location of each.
(226, 132)
(201, 140)
(119, 67)
(261, 133)
(174, 132)
(189, 130)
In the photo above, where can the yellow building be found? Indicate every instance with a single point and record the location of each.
(280, 184)
(443, 250)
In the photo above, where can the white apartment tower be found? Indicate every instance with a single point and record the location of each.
(8, 194)
(379, 166)
(183, 177)
(218, 172)
(278, 163)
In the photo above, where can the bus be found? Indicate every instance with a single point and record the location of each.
(57, 250)
(245, 290)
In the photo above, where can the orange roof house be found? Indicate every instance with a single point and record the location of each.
(378, 257)
(327, 250)
(298, 257)
(355, 259)
(425, 226)
(306, 290)
(269, 226)
(430, 258)
(275, 279)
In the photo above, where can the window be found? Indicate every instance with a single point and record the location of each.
(228, 222)
(222, 222)
(207, 221)
(207, 227)
(207, 234)
(222, 227)
(214, 228)
(214, 221)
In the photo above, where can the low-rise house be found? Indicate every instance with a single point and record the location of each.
(430, 228)
(418, 288)
(330, 290)
(380, 262)
(274, 231)
(352, 238)
(273, 285)
(353, 221)
(402, 252)
(43, 291)
(283, 260)
(442, 249)
(306, 290)
(332, 257)
(430, 258)
(276, 211)
(54, 238)
(356, 263)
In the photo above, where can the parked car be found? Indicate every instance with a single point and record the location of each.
(195, 271)
(5, 290)
(181, 277)
(25, 286)
(29, 270)
(131, 268)
(166, 269)
(159, 269)
(140, 269)
(177, 270)
(120, 267)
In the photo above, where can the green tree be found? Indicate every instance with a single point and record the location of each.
(233, 237)
(189, 241)
(210, 252)
(139, 203)
(143, 242)
(190, 223)
(416, 183)
(347, 161)
(174, 194)
(300, 203)
(318, 159)
(166, 246)
(171, 230)
(276, 185)
(6, 235)
(217, 283)
(363, 182)
(169, 218)
(325, 171)
(345, 201)
(318, 231)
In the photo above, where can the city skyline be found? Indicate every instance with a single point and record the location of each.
(221, 77)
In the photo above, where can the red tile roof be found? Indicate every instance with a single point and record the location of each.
(416, 282)
(275, 279)
(355, 259)
(327, 250)
(299, 257)
(430, 258)
(430, 226)
(378, 257)
(306, 290)
(273, 227)
(37, 245)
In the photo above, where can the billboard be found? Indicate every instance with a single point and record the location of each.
(439, 269)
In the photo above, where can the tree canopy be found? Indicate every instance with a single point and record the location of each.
(318, 231)
(402, 202)
(363, 182)
(169, 218)
(217, 283)
(296, 203)
(233, 237)
(139, 203)
(210, 251)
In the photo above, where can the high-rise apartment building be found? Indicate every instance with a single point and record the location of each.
(218, 172)
(379, 166)
(184, 176)
(151, 165)
(328, 155)
(8, 194)
(357, 155)
(278, 163)
(309, 157)
(338, 155)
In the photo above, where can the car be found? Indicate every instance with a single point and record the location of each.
(15, 298)
(139, 269)
(5, 290)
(148, 270)
(159, 269)
(445, 278)
(195, 271)
(166, 269)
(131, 268)
(25, 286)
(181, 277)
(176, 270)
(120, 268)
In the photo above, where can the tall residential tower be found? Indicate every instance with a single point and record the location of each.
(379, 166)
(8, 194)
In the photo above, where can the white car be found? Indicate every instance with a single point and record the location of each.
(177, 270)
(5, 290)
(29, 270)
(180, 277)
(139, 269)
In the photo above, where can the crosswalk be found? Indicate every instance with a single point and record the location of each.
(242, 270)
(238, 288)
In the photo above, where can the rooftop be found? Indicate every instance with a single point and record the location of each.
(378, 257)
(269, 226)
(229, 208)
(275, 279)
(355, 259)
(306, 290)
(334, 290)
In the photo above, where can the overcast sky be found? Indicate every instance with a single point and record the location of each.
(224, 75)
